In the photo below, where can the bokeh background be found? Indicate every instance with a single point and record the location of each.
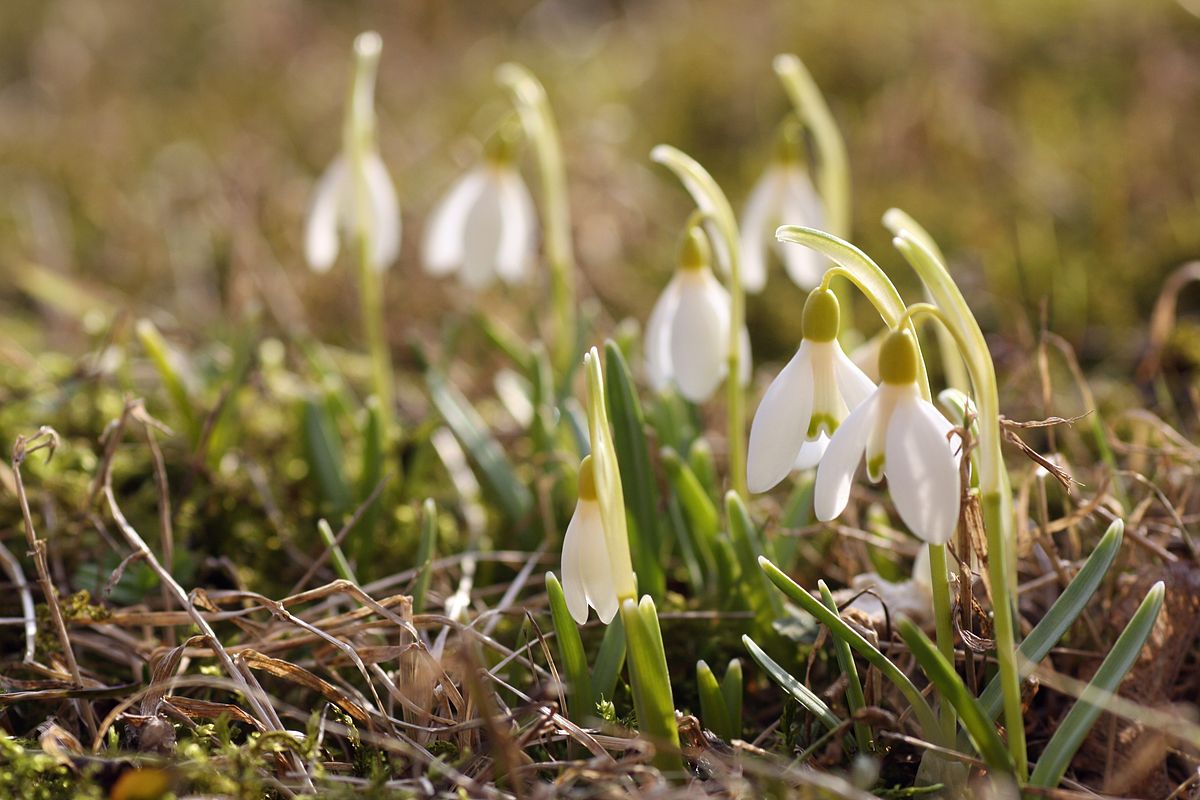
(158, 157)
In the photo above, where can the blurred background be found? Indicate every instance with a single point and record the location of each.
(158, 157)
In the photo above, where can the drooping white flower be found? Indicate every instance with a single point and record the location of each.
(485, 226)
(904, 438)
(687, 335)
(355, 195)
(807, 401)
(586, 566)
(783, 195)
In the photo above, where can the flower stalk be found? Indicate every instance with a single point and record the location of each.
(714, 206)
(995, 491)
(533, 109)
(358, 142)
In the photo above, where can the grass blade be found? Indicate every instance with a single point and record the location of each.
(1079, 720)
(323, 449)
(373, 449)
(340, 565)
(838, 627)
(637, 478)
(713, 713)
(159, 351)
(748, 547)
(979, 726)
(698, 509)
(1062, 613)
(855, 699)
(799, 692)
(471, 431)
(570, 650)
(731, 689)
(425, 549)
(607, 667)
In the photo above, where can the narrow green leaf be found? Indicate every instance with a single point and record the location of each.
(373, 450)
(485, 452)
(801, 693)
(1062, 614)
(570, 650)
(979, 726)
(323, 450)
(731, 690)
(425, 550)
(713, 713)
(1079, 720)
(651, 682)
(748, 546)
(855, 699)
(340, 565)
(704, 466)
(506, 340)
(545, 421)
(607, 667)
(678, 526)
(838, 627)
(637, 477)
(698, 509)
(159, 351)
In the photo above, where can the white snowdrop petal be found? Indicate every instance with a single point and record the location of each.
(811, 452)
(595, 564)
(572, 562)
(836, 471)
(852, 382)
(518, 230)
(758, 229)
(657, 340)
(385, 213)
(780, 424)
(481, 235)
(698, 335)
(321, 227)
(800, 205)
(922, 471)
(445, 234)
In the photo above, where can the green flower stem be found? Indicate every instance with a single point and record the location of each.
(858, 268)
(358, 138)
(715, 206)
(996, 494)
(939, 579)
(833, 165)
(537, 120)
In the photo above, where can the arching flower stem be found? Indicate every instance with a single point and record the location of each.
(995, 491)
(533, 109)
(358, 139)
(712, 203)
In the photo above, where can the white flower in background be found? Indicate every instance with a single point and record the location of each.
(906, 439)
(586, 567)
(784, 195)
(355, 193)
(807, 401)
(687, 335)
(485, 226)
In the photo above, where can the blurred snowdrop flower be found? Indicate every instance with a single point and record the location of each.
(807, 401)
(485, 226)
(586, 566)
(783, 195)
(906, 439)
(355, 197)
(687, 334)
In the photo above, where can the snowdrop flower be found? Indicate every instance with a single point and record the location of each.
(783, 195)
(807, 401)
(586, 567)
(905, 439)
(355, 196)
(485, 226)
(687, 334)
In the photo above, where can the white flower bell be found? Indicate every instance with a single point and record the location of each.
(687, 335)
(784, 195)
(355, 195)
(906, 439)
(586, 566)
(807, 401)
(485, 226)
